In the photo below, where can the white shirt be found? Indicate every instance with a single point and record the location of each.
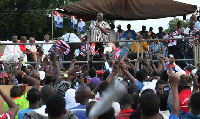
(32, 48)
(46, 47)
(41, 110)
(112, 35)
(197, 25)
(10, 49)
(71, 37)
(165, 114)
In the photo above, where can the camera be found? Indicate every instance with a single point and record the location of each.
(166, 90)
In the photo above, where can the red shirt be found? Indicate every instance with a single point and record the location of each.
(22, 47)
(184, 96)
(124, 114)
(6, 115)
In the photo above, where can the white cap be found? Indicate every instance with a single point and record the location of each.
(193, 72)
(41, 75)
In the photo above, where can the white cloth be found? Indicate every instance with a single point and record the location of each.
(71, 37)
(165, 114)
(41, 110)
(70, 99)
(12, 53)
(197, 25)
(32, 48)
(112, 35)
(126, 44)
(150, 85)
(46, 47)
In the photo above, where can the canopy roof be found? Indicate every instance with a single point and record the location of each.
(128, 9)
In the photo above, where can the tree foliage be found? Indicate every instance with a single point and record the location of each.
(31, 18)
(174, 22)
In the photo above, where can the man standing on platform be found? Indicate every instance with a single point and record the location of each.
(99, 32)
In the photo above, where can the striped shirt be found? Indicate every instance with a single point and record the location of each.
(193, 33)
(156, 48)
(124, 114)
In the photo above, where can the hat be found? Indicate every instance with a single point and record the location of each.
(95, 80)
(4, 74)
(193, 72)
(118, 26)
(189, 66)
(185, 80)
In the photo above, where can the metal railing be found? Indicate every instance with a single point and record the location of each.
(196, 49)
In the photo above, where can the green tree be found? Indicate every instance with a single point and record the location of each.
(173, 23)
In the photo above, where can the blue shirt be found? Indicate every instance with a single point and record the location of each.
(79, 111)
(133, 34)
(189, 115)
(173, 116)
(22, 112)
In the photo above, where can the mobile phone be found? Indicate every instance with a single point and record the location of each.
(166, 90)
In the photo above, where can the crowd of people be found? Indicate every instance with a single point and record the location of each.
(121, 90)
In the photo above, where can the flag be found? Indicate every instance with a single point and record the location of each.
(73, 22)
(58, 18)
(81, 26)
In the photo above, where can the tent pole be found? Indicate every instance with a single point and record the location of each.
(52, 26)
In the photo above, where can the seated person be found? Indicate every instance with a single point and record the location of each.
(32, 51)
(125, 46)
(133, 54)
(156, 48)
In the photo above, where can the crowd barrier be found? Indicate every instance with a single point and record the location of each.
(196, 49)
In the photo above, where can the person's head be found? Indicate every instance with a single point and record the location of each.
(159, 86)
(31, 40)
(46, 92)
(129, 27)
(147, 91)
(160, 29)
(55, 106)
(89, 107)
(102, 87)
(194, 102)
(154, 73)
(128, 35)
(179, 24)
(140, 76)
(164, 76)
(163, 102)
(155, 37)
(150, 28)
(100, 76)
(91, 85)
(46, 38)
(119, 27)
(35, 74)
(175, 28)
(83, 94)
(191, 24)
(143, 28)
(100, 16)
(14, 39)
(112, 26)
(126, 101)
(193, 18)
(109, 114)
(16, 91)
(106, 74)
(92, 72)
(139, 37)
(150, 104)
(33, 96)
(185, 82)
(23, 39)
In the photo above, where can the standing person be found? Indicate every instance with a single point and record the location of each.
(193, 32)
(23, 39)
(112, 35)
(99, 32)
(144, 33)
(161, 34)
(119, 34)
(12, 52)
(45, 46)
(133, 34)
(151, 33)
(197, 24)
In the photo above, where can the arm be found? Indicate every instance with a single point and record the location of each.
(105, 61)
(56, 68)
(7, 69)
(39, 59)
(148, 66)
(130, 77)
(137, 63)
(162, 50)
(13, 108)
(114, 72)
(175, 98)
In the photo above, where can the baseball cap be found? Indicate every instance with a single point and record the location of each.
(185, 80)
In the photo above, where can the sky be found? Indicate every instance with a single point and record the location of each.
(155, 23)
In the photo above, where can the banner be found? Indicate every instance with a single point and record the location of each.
(58, 18)
(73, 22)
(81, 26)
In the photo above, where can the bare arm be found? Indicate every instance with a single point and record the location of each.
(137, 63)
(13, 108)
(7, 69)
(39, 59)
(56, 68)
